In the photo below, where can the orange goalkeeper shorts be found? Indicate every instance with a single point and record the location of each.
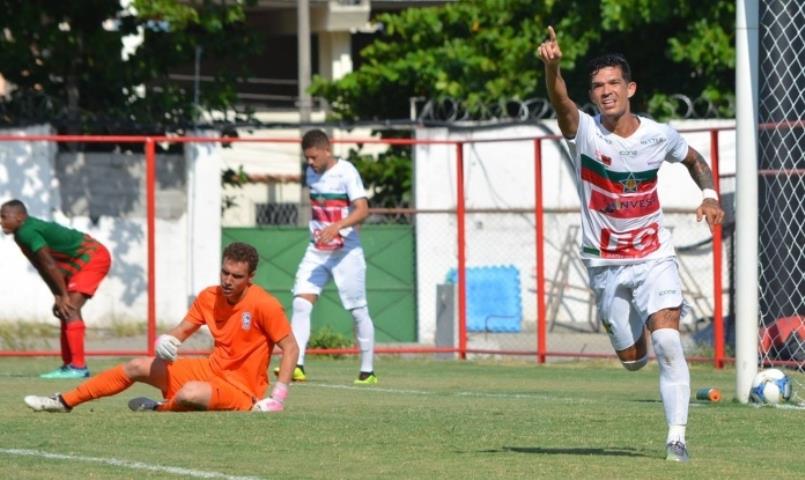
(225, 396)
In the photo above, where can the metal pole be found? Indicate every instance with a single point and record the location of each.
(197, 86)
(303, 55)
(150, 214)
(462, 257)
(539, 220)
(747, 310)
(718, 302)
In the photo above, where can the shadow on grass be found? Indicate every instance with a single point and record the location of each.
(606, 452)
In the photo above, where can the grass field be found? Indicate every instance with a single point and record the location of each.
(426, 420)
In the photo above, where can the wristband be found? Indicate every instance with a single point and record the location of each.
(709, 193)
(280, 392)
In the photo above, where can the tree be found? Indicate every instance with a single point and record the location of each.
(64, 61)
(481, 52)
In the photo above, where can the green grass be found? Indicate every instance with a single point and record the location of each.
(426, 420)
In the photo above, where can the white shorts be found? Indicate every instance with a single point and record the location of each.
(347, 268)
(627, 295)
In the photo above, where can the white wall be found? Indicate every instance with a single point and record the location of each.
(500, 175)
(277, 158)
(184, 262)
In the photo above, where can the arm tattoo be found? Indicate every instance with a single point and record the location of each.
(699, 171)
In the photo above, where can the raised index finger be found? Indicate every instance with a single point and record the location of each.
(551, 34)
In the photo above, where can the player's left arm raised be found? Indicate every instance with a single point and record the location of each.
(700, 172)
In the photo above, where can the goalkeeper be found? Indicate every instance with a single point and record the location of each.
(628, 253)
(245, 322)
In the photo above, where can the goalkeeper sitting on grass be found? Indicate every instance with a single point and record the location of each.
(245, 322)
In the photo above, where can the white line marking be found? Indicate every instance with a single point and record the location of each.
(782, 406)
(187, 472)
(504, 396)
(512, 396)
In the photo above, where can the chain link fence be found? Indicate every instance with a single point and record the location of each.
(781, 187)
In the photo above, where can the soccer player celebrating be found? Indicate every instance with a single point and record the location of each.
(245, 322)
(628, 253)
(339, 206)
(72, 264)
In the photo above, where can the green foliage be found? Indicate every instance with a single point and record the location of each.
(327, 338)
(232, 178)
(387, 177)
(469, 50)
(64, 60)
(482, 51)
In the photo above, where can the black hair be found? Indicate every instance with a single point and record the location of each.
(242, 252)
(315, 138)
(610, 60)
(16, 204)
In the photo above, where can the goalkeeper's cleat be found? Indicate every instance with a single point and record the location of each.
(53, 403)
(366, 378)
(676, 452)
(66, 372)
(298, 373)
(143, 404)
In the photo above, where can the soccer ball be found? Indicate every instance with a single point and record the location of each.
(771, 386)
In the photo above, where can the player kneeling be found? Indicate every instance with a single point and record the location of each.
(249, 319)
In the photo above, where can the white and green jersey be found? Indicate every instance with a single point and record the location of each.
(622, 221)
(331, 194)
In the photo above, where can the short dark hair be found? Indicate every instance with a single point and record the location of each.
(315, 138)
(242, 252)
(610, 60)
(16, 204)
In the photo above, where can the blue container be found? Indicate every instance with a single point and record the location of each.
(493, 298)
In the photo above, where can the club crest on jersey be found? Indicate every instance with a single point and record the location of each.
(246, 321)
(630, 184)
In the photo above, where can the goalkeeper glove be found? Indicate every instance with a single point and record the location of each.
(275, 402)
(167, 347)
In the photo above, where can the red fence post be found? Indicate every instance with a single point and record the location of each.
(150, 215)
(462, 258)
(718, 309)
(540, 251)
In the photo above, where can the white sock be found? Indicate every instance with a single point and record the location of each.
(365, 335)
(674, 381)
(300, 323)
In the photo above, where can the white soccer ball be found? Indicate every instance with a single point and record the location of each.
(771, 386)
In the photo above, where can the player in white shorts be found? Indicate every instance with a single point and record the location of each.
(628, 253)
(339, 205)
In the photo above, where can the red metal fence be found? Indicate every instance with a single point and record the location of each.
(540, 352)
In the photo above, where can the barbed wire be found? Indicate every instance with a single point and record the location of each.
(443, 111)
(452, 110)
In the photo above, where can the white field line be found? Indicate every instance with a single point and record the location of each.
(502, 396)
(185, 472)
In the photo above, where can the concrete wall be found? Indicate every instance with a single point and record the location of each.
(500, 175)
(103, 194)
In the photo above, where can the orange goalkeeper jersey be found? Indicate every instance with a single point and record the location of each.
(244, 334)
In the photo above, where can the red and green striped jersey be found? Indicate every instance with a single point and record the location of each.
(331, 194)
(70, 248)
(622, 221)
